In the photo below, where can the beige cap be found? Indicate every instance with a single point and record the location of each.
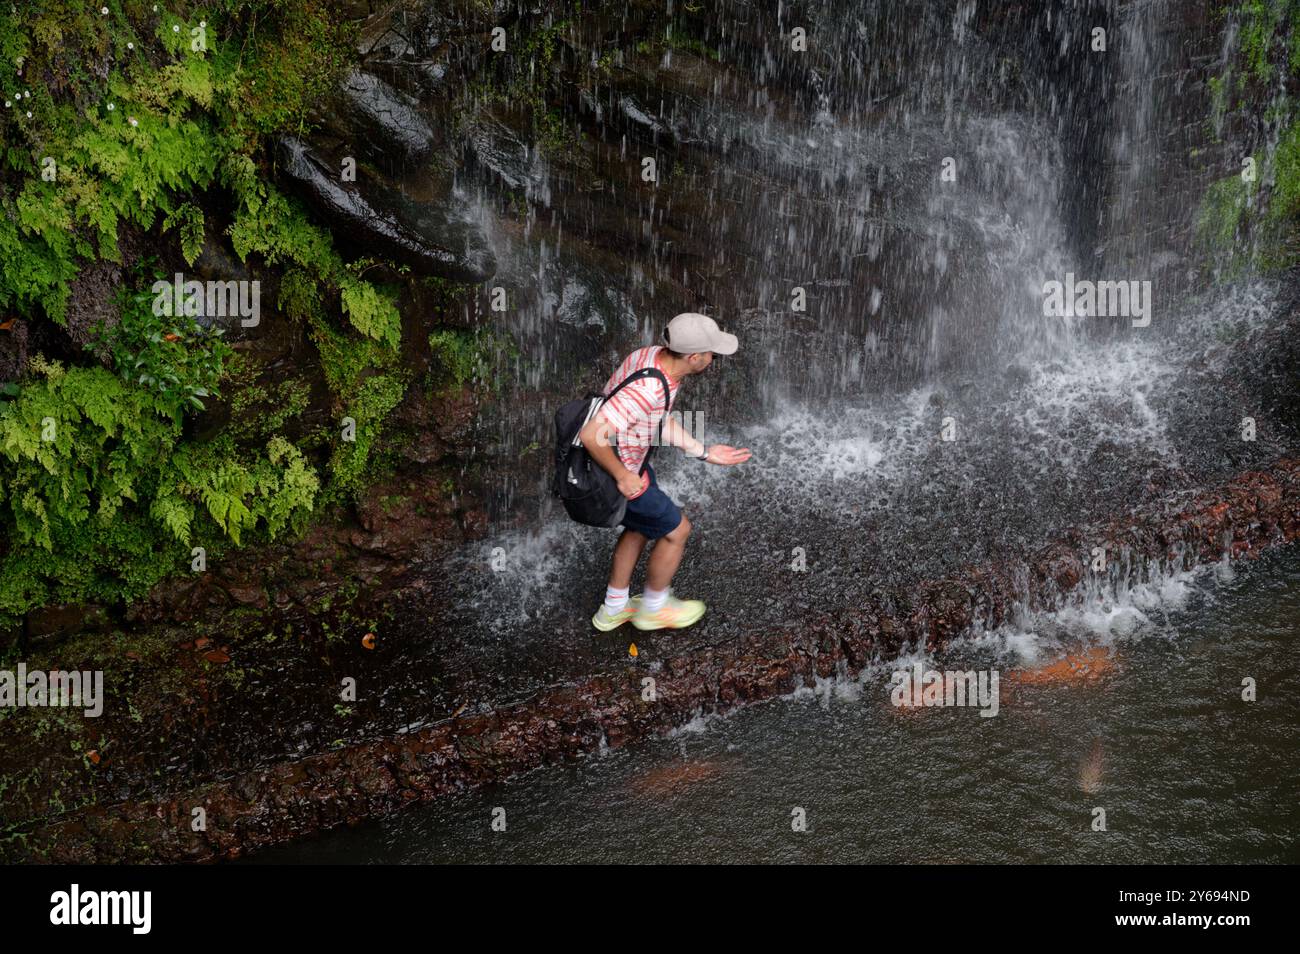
(690, 333)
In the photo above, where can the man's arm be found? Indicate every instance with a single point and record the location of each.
(724, 454)
(597, 437)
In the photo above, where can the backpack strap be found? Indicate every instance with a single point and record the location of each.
(639, 375)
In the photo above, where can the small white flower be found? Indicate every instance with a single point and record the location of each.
(27, 94)
(130, 46)
(29, 114)
(104, 10)
(176, 28)
(203, 23)
(111, 107)
(7, 104)
(133, 121)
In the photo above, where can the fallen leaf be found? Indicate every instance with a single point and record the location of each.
(201, 642)
(93, 755)
(368, 640)
(631, 650)
(216, 656)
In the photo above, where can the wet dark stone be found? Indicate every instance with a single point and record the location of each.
(380, 220)
(426, 49)
(59, 619)
(640, 118)
(92, 301)
(13, 351)
(506, 155)
(217, 262)
(380, 121)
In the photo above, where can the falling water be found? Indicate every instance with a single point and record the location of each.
(875, 216)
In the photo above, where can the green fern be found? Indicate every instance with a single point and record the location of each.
(102, 490)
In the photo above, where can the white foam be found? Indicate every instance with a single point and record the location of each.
(700, 724)
(854, 447)
(513, 575)
(1101, 615)
(1100, 394)
(1057, 420)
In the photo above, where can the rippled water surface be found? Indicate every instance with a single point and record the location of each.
(1132, 705)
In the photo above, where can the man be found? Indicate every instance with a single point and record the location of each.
(619, 437)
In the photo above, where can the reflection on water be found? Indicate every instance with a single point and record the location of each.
(1148, 724)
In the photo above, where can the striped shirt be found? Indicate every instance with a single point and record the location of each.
(635, 411)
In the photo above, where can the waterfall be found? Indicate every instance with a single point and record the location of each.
(876, 214)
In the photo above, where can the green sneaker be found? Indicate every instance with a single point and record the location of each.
(675, 614)
(605, 620)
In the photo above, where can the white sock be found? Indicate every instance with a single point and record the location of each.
(654, 600)
(616, 599)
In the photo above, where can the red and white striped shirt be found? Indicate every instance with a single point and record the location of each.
(635, 411)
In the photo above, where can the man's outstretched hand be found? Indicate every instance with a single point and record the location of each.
(728, 456)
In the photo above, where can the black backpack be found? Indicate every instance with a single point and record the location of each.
(588, 491)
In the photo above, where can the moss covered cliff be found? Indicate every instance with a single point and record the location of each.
(1250, 220)
(138, 441)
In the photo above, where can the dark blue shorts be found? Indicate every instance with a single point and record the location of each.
(652, 513)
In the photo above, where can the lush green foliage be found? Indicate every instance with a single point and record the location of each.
(98, 481)
(460, 360)
(269, 225)
(132, 163)
(367, 383)
(469, 358)
(172, 356)
(1251, 220)
(375, 397)
(143, 120)
(1267, 25)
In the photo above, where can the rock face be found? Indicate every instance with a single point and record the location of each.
(374, 217)
(381, 121)
(217, 262)
(13, 349)
(505, 156)
(92, 301)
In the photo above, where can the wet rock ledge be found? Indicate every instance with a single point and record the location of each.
(1251, 513)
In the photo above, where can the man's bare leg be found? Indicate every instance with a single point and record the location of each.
(614, 612)
(665, 557)
(626, 553)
